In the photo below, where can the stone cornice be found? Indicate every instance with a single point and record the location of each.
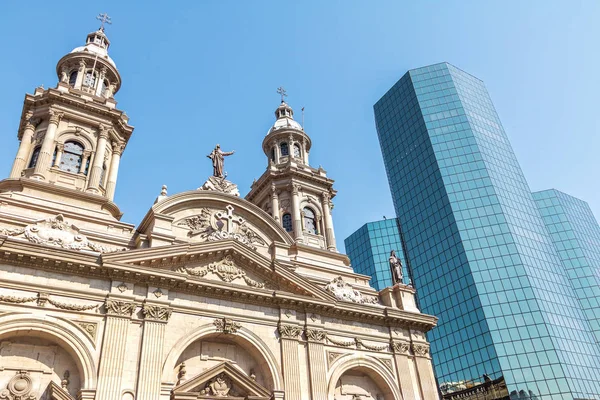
(297, 175)
(70, 262)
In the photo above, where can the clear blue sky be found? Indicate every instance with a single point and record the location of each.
(200, 72)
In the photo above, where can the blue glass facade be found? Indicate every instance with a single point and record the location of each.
(369, 251)
(481, 256)
(576, 236)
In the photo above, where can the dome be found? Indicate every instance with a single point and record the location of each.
(285, 119)
(97, 44)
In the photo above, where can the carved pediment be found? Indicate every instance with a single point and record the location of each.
(213, 224)
(223, 380)
(343, 291)
(227, 270)
(57, 232)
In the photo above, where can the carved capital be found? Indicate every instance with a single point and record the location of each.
(326, 197)
(227, 325)
(156, 313)
(289, 331)
(30, 122)
(60, 147)
(55, 116)
(81, 65)
(420, 350)
(103, 131)
(103, 71)
(119, 308)
(400, 347)
(295, 188)
(117, 148)
(315, 335)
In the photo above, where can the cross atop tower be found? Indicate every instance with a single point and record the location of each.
(104, 19)
(282, 92)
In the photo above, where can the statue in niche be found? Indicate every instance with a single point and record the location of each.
(396, 267)
(218, 160)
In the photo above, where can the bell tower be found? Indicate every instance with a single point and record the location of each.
(72, 136)
(297, 195)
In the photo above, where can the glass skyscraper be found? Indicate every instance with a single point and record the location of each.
(369, 251)
(481, 256)
(576, 236)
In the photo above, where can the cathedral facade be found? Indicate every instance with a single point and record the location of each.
(210, 296)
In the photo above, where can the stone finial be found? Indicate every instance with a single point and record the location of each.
(163, 194)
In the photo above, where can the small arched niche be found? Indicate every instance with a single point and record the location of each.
(211, 350)
(46, 364)
(362, 383)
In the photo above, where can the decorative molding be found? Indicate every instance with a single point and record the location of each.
(71, 307)
(340, 343)
(57, 232)
(214, 225)
(219, 386)
(226, 270)
(157, 293)
(358, 342)
(343, 291)
(42, 299)
(90, 328)
(17, 299)
(227, 325)
(120, 308)
(388, 363)
(420, 350)
(400, 347)
(156, 313)
(55, 116)
(289, 331)
(18, 388)
(122, 287)
(315, 335)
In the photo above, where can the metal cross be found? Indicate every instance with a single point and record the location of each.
(282, 92)
(104, 19)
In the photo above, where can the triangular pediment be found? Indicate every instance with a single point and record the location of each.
(226, 263)
(222, 380)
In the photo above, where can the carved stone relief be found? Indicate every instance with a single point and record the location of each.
(227, 325)
(18, 388)
(156, 313)
(357, 342)
(57, 232)
(343, 291)
(119, 308)
(219, 386)
(332, 356)
(420, 350)
(315, 335)
(220, 185)
(401, 347)
(289, 331)
(90, 328)
(212, 225)
(226, 270)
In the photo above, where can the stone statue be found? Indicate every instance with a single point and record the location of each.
(396, 267)
(217, 157)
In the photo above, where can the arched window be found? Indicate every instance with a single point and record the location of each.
(90, 79)
(310, 222)
(72, 157)
(285, 150)
(296, 150)
(34, 157)
(103, 174)
(73, 78)
(286, 221)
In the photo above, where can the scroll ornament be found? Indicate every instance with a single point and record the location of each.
(57, 232)
(156, 313)
(226, 270)
(121, 308)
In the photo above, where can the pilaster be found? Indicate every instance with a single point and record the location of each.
(296, 212)
(329, 235)
(118, 316)
(114, 170)
(425, 371)
(317, 363)
(401, 351)
(98, 161)
(155, 321)
(25, 146)
(274, 203)
(289, 335)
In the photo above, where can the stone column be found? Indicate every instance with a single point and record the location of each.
(317, 363)
(80, 75)
(304, 151)
(401, 354)
(274, 203)
(113, 349)
(425, 371)
(329, 235)
(25, 147)
(98, 162)
(296, 212)
(84, 160)
(114, 170)
(60, 147)
(290, 361)
(45, 156)
(155, 322)
(100, 82)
